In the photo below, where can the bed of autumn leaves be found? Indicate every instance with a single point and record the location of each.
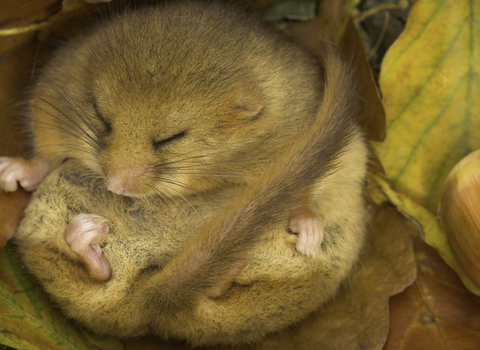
(405, 293)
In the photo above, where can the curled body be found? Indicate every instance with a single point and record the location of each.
(249, 121)
(188, 286)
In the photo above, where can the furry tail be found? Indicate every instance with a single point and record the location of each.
(209, 263)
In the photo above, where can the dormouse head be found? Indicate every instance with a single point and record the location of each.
(175, 135)
(172, 101)
(166, 104)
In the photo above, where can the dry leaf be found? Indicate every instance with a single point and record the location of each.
(20, 13)
(13, 65)
(429, 227)
(373, 114)
(437, 312)
(11, 208)
(15, 71)
(430, 83)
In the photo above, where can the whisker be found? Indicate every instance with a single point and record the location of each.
(218, 174)
(67, 147)
(203, 196)
(183, 197)
(71, 133)
(74, 125)
(176, 183)
(35, 62)
(59, 119)
(200, 165)
(175, 158)
(83, 118)
(165, 197)
(89, 176)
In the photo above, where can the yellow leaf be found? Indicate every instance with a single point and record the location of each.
(430, 83)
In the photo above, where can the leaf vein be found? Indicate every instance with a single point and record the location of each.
(36, 321)
(434, 14)
(422, 139)
(430, 77)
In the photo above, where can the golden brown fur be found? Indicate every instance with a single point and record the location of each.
(161, 280)
(222, 270)
(236, 88)
(278, 287)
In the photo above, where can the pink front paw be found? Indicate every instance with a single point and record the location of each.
(16, 170)
(84, 235)
(309, 228)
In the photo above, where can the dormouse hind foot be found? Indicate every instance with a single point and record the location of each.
(84, 235)
(28, 173)
(309, 227)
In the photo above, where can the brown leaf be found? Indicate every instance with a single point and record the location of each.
(20, 13)
(15, 11)
(12, 143)
(73, 15)
(327, 24)
(373, 114)
(11, 208)
(14, 70)
(437, 312)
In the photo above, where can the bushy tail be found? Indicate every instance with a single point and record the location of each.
(208, 263)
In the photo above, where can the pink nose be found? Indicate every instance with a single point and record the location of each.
(124, 183)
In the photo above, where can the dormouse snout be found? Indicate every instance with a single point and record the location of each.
(125, 182)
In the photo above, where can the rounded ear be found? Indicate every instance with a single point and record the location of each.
(250, 98)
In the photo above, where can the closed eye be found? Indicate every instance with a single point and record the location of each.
(107, 125)
(158, 144)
